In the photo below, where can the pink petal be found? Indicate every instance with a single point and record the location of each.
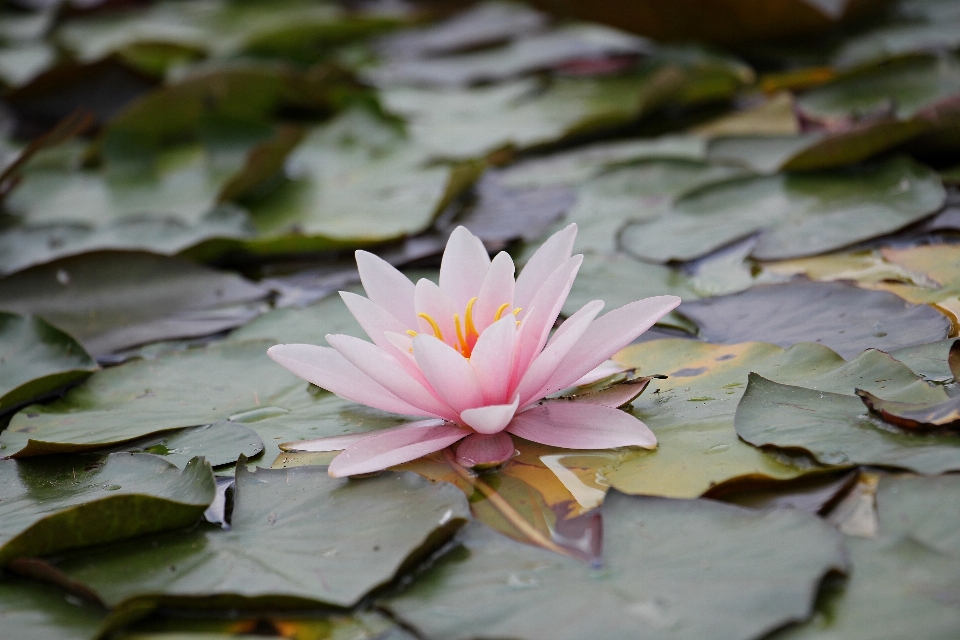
(339, 443)
(491, 418)
(429, 299)
(394, 447)
(604, 370)
(387, 372)
(477, 450)
(327, 369)
(571, 425)
(545, 364)
(387, 287)
(608, 334)
(546, 305)
(463, 267)
(373, 319)
(449, 373)
(496, 291)
(551, 254)
(492, 359)
(614, 396)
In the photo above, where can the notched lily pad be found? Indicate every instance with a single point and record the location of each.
(667, 570)
(845, 318)
(836, 429)
(37, 358)
(297, 537)
(51, 505)
(914, 416)
(219, 444)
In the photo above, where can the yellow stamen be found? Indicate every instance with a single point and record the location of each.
(411, 333)
(500, 311)
(516, 311)
(433, 325)
(469, 327)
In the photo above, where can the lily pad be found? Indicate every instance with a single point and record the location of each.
(845, 318)
(922, 26)
(55, 504)
(798, 215)
(309, 325)
(37, 358)
(929, 360)
(837, 429)
(34, 611)
(911, 415)
(692, 411)
(29, 245)
(113, 300)
(297, 537)
(667, 569)
(219, 444)
(925, 509)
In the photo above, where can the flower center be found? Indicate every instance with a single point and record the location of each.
(467, 333)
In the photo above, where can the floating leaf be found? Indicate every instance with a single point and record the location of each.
(29, 245)
(358, 626)
(113, 300)
(692, 411)
(922, 508)
(910, 415)
(54, 504)
(929, 361)
(799, 215)
(668, 566)
(34, 611)
(836, 429)
(815, 493)
(309, 325)
(37, 358)
(773, 117)
(297, 537)
(219, 444)
(845, 318)
(923, 25)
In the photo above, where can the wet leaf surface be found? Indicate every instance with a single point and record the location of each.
(844, 318)
(799, 215)
(501, 588)
(37, 358)
(113, 300)
(54, 504)
(692, 411)
(297, 537)
(35, 611)
(837, 429)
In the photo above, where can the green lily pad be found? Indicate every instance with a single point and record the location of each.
(219, 444)
(113, 300)
(928, 360)
(297, 537)
(837, 429)
(309, 325)
(798, 215)
(901, 88)
(668, 566)
(231, 380)
(692, 411)
(34, 611)
(55, 504)
(903, 582)
(29, 245)
(359, 626)
(845, 318)
(923, 25)
(37, 358)
(354, 180)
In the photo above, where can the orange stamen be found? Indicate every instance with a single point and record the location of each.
(464, 347)
(469, 327)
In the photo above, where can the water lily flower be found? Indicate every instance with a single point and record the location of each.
(475, 357)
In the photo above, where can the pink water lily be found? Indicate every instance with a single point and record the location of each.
(475, 356)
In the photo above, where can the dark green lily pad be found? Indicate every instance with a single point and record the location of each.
(798, 215)
(114, 300)
(837, 429)
(56, 504)
(922, 26)
(925, 509)
(692, 411)
(308, 325)
(37, 358)
(26, 246)
(843, 317)
(219, 444)
(928, 360)
(34, 611)
(668, 566)
(297, 537)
